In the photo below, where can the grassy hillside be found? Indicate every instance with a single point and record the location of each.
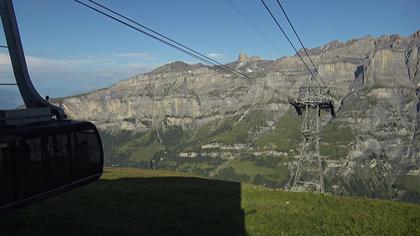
(144, 202)
(163, 146)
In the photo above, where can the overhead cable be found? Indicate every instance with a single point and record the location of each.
(252, 25)
(290, 42)
(168, 41)
(300, 41)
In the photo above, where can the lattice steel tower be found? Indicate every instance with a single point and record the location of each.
(311, 100)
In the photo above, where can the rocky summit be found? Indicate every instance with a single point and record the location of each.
(200, 119)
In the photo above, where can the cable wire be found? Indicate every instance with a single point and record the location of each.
(174, 44)
(300, 41)
(290, 42)
(186, 49)
(252, 26)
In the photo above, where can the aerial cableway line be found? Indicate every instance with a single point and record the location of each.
(248, 21)
(118, 17)
(300, 41)
(311, 100)
(291, 43)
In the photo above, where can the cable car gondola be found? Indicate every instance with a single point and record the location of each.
(42, 153)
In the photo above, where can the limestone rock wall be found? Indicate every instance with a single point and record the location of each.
(375, 83)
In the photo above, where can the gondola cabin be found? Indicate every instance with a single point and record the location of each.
(42, 159)
(42, 153)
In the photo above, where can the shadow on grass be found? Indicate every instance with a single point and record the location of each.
(136, 206)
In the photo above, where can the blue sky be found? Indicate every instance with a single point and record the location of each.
(71, 49)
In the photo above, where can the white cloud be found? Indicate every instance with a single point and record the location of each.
(4, 59)
(141, 55)
(82, 64)
(216, 55)
(61, 76)
(52, 64)
(46, 63)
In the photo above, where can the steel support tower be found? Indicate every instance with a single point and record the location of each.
(309, 173)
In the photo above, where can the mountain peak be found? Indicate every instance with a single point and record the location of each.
(416, 35)
(177, 66)
(242, 57)
(245, 58)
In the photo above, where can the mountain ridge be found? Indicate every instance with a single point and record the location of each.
(198, 119)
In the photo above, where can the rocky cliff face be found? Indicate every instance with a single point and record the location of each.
(199, 119)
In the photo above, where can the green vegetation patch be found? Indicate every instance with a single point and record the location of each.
(286, 136)
(238, 132)
(411, 185)
(336, 138)
(174, 135)
(112, 141)
(197, 165)
(230, 130)
(286, 213)
(140, 149)
(257, 171)
(207, 134)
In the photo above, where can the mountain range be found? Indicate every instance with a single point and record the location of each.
(202, 120)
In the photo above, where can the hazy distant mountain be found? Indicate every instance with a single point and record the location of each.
(198, 119)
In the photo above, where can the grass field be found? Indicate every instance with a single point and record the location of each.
(278, 174)
(145, 202)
